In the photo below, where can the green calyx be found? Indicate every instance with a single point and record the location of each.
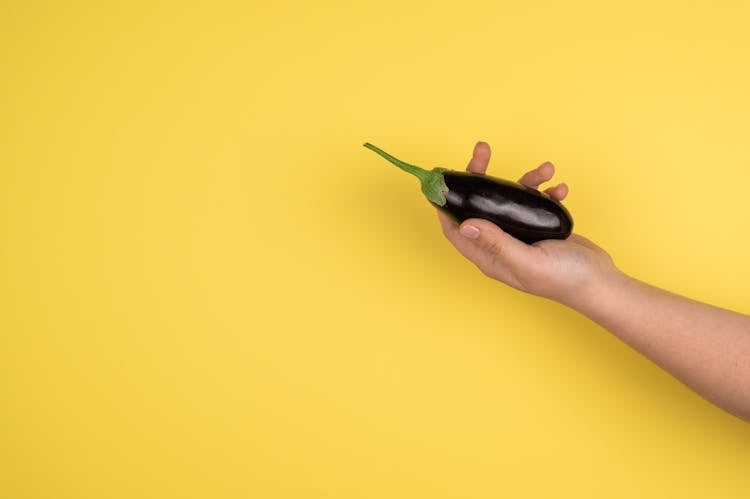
(433, 183)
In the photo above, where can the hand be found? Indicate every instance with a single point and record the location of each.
(562, 270)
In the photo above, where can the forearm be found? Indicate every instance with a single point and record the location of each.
(705, 347)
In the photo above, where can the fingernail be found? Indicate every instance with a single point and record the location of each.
(469, 231)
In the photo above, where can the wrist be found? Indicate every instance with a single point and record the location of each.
(601, 289)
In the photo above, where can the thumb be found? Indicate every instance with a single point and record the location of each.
(500, 246)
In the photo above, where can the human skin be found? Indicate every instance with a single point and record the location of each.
(704, 346)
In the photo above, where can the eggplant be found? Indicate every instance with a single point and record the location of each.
(523, 212)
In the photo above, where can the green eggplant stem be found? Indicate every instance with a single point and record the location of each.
(433, 183)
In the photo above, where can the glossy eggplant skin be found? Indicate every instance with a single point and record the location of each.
(525, 213)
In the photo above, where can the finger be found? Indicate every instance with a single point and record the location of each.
(480, 158)
(558, 192)
(498, 244)
(464, 246)
(449, 226)
(538, 175)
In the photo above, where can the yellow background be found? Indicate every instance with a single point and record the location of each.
(210, 289)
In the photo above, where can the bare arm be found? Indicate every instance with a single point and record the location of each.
(705, 347)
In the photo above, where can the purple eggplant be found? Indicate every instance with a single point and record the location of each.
(523, 212)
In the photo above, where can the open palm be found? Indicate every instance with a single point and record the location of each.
(556, 269)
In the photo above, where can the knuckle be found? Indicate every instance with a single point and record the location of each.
(487, 271)
(495, 249)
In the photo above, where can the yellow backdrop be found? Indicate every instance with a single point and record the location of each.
(209, 288)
